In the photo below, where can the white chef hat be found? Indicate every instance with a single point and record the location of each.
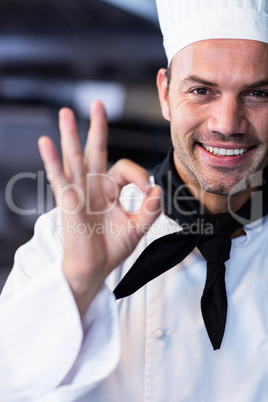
(183, 22)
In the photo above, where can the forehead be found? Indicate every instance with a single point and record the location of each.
(218, 58)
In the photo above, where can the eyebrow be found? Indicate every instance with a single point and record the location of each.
(199, 80)
(195, 78)
(261, 83)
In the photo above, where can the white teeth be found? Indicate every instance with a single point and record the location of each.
(223, 151)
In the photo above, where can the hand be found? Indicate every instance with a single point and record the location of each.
(89, 202)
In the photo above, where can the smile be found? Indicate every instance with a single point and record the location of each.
(224, 151)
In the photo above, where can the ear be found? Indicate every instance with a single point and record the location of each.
(162, 86)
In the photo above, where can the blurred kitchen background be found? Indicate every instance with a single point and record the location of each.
(56, 53)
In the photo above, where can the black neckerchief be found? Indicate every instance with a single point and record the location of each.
(213, 239)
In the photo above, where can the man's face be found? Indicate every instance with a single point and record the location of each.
(217, 104)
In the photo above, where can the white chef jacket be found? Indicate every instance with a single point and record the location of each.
(151, 346)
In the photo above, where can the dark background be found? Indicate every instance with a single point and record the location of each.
(66, 53)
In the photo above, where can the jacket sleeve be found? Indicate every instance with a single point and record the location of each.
(46, 351)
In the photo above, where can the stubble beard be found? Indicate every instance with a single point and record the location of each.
(225, 184)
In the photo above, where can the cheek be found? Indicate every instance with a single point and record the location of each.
(259, 123)
(263, 125)
(188, 118)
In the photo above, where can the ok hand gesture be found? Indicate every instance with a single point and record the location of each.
(89, 196)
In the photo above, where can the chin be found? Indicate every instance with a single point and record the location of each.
(226, 189)
(224, 192)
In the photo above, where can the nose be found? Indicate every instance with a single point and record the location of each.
(228, 117)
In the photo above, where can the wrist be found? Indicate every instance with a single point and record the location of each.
(84, 287)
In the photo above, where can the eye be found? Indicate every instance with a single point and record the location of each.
(257, 97)
(259, 94)
(200, 91)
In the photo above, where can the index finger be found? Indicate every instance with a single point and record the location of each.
(96, 145)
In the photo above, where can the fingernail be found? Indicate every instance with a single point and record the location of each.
(97, 108)
(146, 186)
